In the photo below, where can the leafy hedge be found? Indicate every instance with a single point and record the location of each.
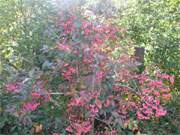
(67, 71)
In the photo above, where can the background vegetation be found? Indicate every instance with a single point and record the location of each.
(28, 32)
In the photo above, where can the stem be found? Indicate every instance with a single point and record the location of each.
(56, 93)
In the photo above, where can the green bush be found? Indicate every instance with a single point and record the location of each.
(155, 26)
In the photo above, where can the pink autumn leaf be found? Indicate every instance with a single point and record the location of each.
(157, 93)
(141, 116)
(98, 103)
(99, 76)
(69, 129)
(77, 102)
(165, 90)
(160, 112)
(13, 87)
(156, 83)
(84, 127)
(55, 134)
(68, 72)
(163, 76)
(63, 47)
(30, 106)
(93, 110)
(35, 94)
(98, 40)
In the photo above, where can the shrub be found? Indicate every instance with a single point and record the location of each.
(84, 85)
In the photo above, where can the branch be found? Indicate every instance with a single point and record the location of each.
(56, 93)
(105, 123)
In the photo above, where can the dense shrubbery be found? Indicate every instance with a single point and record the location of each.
(155, 26)
(71, 75)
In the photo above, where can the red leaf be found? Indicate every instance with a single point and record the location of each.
(98, 103)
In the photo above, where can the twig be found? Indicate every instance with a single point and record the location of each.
(56, 93)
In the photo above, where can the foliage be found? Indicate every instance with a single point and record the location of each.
(167, 125)
(155, 26)
(26, 26)
(64, 71)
